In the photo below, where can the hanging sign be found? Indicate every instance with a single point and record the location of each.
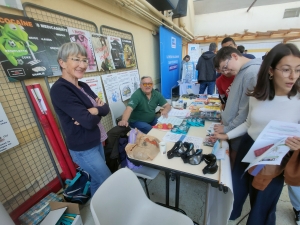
(8, 138)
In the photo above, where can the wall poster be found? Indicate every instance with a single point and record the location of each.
(8, 138)
(83, 37)
(22, 53)
(53, 36)
(102, 52)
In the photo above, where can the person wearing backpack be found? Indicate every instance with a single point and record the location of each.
(80, 111)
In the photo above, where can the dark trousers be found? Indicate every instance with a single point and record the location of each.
(263, 203)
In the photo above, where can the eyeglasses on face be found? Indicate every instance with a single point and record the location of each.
(286, 72)
(147, 84)
(225, 68)
(77, 60)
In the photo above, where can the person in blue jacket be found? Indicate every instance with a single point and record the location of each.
(80, 111)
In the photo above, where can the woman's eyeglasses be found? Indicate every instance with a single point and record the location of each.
(147, 84)
(77, 60)
(286, 72)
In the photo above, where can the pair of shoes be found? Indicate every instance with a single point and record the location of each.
(297, 216)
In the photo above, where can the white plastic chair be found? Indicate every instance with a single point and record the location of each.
(121, 200)
(145, 173)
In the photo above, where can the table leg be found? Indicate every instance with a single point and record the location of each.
(177, 191)
(167, 187)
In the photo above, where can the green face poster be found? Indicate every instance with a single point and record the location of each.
(22, 53)
(53, 36)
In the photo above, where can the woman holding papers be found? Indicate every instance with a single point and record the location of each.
(275, 97)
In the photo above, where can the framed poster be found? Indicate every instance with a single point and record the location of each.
(22, 53)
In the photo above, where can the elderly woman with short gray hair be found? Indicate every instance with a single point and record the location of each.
(80, 110)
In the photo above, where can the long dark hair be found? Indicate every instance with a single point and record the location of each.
(264, 88)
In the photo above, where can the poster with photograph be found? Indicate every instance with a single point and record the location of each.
(116, 50)
(53, 37)
(83, 37)
(135, 79)
(22, 53)
(96, 86)
(125, 85)
(102, 52)
(129, 54)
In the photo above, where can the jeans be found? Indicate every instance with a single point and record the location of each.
(143, 126)
(294, 193)
(263, 203)
(93, 162)
(210, 87)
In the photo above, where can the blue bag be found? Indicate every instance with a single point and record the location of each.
(78, 190)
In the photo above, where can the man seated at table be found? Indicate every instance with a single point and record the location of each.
(140, 111)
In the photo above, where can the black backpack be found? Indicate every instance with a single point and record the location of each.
(78, 190)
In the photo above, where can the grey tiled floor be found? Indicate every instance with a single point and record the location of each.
(192, 201)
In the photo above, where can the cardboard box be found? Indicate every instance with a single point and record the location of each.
(39, 211)
(58, 209)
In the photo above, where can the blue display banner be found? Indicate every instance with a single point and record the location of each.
(170, 60)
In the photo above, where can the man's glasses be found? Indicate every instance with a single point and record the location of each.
(77, 60)
(147, 84)
(286, 72)
(225, 68)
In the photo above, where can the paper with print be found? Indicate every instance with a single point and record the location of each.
(102, 52)
(83, 38)
(135, 79)
(125, 85)
(171, 137)
(272, 156)
(171, 120)
(197, 141)
(111, 87)
(274, 132)
(96, 86)
(179, 113)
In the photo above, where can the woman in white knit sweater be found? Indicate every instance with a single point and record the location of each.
(275, 97)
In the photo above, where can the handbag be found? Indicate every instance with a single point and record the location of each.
(78, 190)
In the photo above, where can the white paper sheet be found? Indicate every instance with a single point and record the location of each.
(197, 141)
(272, 156)
(171, 137)
(179, 113)
(171, 120)
(271, 134)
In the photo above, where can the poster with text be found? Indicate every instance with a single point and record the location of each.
(129, 54)
(117, 53)
(83, 37)
(111, 86)
(53, 36)
(102, 52)
(8, 138)
(96, 86)
(22, 53)
(125, 85)
(135, 79)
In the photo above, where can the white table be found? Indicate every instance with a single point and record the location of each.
(218, 204)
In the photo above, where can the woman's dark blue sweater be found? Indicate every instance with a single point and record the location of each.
(71, 105)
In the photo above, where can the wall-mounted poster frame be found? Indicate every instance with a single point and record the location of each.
(125, 37)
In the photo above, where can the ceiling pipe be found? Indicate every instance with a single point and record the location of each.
(159, 15)
(251, 5)
(138, 8)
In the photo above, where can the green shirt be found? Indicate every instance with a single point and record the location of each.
(143, 108)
